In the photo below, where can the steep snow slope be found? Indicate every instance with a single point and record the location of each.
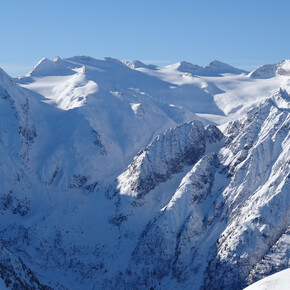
(226, 216)
(233, 208)
(167, 155)
(257, 197)
(219, 68)
(17, 136)
(281, 68)
(194, 208)
(137, 64)
(14, 274)
(276, 259)
(29, 146)
(183, 229)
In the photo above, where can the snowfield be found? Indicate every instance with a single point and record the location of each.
(278, 281)
(123, 175)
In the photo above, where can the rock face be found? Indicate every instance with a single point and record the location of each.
(168, 154)
(15, 274)
(228, 221)
(171, 244)
(197, 207)
(257, 196)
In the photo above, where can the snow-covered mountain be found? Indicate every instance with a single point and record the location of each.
(130, 176)
(281, 68)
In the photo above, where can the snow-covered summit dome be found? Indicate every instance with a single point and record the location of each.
(221, 67)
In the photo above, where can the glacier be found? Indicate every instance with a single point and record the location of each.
(123, 175)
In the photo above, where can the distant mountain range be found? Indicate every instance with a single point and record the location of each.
(123, 175)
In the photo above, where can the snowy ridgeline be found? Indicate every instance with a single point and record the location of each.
(278, 281)
(115, 176)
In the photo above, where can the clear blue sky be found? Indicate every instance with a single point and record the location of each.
(243, 33)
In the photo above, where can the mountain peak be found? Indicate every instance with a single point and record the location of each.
(215, 68)
(57, 59)
(221, 67)
(187, 66)
(44, 62)
(217, 63)
(268, 71)
(47, 67)
(281, 99)
(82, 58)
(138, 64)
(283, 68)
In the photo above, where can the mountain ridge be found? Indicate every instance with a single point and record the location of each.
(149, 190)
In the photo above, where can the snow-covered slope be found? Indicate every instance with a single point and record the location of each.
(281, 68)
(278, 281)
(257, 198)
(225, 217)
(137, 64)
(114, 175)
(217, 92)
(215, 68)
(14, 274)
(168, 154)
(219, 68)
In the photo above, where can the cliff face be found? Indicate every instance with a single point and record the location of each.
(229, 214)
(167, 155)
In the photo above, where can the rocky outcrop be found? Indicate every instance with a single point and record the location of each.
(15, 274)
(281, 68)
(167, 155)
(227, 223)
(258, 211)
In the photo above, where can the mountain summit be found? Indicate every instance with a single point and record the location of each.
(281, 68)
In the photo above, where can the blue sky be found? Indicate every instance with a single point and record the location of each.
(243, 33)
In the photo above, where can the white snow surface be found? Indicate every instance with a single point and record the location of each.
(281, 68)
(278, 281)
(112, 178)
(218, 92)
